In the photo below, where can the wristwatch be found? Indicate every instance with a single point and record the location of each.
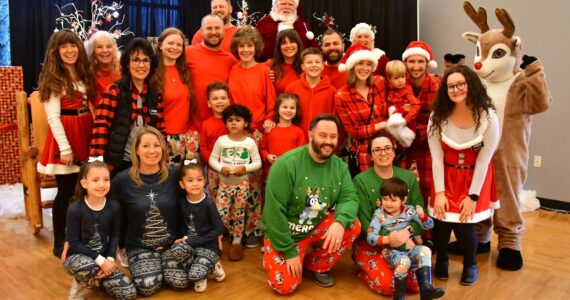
(474, 197)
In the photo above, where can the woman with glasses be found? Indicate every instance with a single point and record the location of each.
(375, 271)
(127, 105)
(463, 132)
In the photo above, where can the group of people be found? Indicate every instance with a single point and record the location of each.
(194, 141)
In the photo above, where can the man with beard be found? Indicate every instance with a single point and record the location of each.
(207, 63)
(303, 187)
(283, 15)
(418, 58)
(332, 46)
(223, 9)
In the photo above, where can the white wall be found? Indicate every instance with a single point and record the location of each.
(543, 27)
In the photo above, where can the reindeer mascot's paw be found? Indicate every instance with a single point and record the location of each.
(397, 128)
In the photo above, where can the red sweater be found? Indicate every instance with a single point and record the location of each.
(287, 77)
(103, 80)
(212, 129)
(313, 101)
(206, 66)
(281, 140)
(226, 41)
(338, 79)
(252, 88)
(176, 102)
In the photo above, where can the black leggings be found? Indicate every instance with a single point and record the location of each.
(65, 189)
(465, 234)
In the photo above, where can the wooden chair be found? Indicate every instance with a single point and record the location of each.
(32, 180)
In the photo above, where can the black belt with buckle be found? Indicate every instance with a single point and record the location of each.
(462, 167)
(74, 112)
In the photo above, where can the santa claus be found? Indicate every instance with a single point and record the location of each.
(285, 14)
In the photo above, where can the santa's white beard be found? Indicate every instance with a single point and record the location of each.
(280, 17)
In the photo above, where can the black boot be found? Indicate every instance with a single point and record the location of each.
(441, 269)
(399, 288)
(427, 291)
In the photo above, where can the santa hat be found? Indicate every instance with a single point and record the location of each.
(356, 53)
(361, 27)
(284, 26)
(422, 49)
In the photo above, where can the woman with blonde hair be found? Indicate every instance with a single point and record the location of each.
(147, 194)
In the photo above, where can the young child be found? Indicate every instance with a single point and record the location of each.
(198, 249)
(234, 155)
(66, 88)
(213, 128)
(93, 226)
(395, 215)
(403, 106)
(286, 135)
(315, 91)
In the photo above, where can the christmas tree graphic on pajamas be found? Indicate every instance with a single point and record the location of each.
(155, 232)
(95, 241)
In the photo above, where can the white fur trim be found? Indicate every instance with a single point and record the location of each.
(53, 169)
(310, 35)
(358, 27)
(284, 26)
(342, 68)
(495, 204)
(296, 3)
(378, 52)
(432, 64)
(454, 217)
(362, 55)
(415, 51)
(484, 124)
(391, 110)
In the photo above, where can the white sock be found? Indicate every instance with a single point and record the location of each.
(236, 240)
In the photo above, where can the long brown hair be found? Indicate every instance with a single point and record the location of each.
(135, 171)
(477, 99)
(279, 60)
(54, 78)
(80, 192)
(181, 64)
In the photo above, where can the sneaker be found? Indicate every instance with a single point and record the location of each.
(219, 274)
(201, 285)
(251, 241)
(323, 279)
(123, 259)
(236, 252)
(77, 291)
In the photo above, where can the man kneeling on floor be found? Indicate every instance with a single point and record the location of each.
(309, 202)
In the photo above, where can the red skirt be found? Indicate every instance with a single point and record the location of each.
(78, 132)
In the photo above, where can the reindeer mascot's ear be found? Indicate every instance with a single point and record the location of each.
(516, 95)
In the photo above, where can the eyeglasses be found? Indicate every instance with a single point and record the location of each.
(138, 61)
(385, 150)
(460, 86)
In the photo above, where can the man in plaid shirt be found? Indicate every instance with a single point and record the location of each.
(418, 57)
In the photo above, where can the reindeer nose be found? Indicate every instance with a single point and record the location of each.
(478, 65)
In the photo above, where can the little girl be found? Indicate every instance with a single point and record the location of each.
(66, 87)
(198, 249)
(287, 134)
(93, 226)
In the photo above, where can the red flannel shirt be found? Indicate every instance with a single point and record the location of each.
(105, 114)
(353, 110)
(419, 150)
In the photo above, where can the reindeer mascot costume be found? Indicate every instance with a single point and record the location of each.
(517, 94)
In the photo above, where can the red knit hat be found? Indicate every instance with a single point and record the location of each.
(422, 49)
(356, 53)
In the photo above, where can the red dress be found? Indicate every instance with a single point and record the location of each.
(78, 132)
(458, 170)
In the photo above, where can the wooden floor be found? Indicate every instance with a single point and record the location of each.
(29, 271)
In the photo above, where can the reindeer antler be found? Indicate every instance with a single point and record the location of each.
(479, 17)
(506, 21)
